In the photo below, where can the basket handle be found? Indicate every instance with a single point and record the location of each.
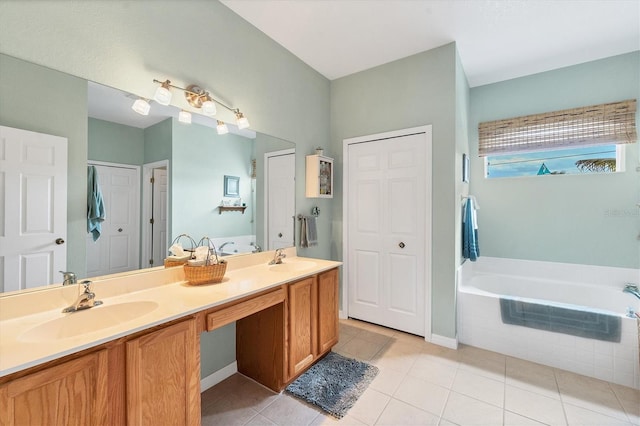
(191, 240)
(212, 249)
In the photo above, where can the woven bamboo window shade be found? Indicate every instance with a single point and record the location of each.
(613, 123)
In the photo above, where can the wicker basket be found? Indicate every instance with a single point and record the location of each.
(172, 263)
(209, 272)
(205, 274)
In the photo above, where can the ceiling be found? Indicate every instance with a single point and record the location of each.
(497, 39)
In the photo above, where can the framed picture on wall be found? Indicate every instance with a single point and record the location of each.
(231, 186)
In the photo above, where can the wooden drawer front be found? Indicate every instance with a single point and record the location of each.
(243, 309)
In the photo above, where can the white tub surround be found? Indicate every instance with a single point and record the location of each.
(163, 291)
(586, 288)
(242, 244)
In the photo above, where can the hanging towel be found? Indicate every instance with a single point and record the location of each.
(308, 231)
(95, 204)
(470, 249)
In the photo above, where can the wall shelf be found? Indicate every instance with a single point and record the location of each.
(231, 209)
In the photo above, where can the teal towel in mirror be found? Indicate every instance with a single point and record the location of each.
(95, 204)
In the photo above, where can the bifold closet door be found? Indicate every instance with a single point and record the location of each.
(387, 214)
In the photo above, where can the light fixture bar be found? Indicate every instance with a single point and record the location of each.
(202, 95)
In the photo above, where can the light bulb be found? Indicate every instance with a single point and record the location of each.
(141, 106)
(241, 120)
(184, 117)
(222, 128)
(163, 95)
(209, 107)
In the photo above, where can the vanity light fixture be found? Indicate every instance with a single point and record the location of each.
(141, 106)
(184, 117)
(241, 120)
(163, 94)
(198, 98)
(222, 128)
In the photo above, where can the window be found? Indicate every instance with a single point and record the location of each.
(590, 159)
(581, 140)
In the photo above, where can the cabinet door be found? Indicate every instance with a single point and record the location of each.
(302, 325)
(72, 393)
(327, 310)
(163, 377)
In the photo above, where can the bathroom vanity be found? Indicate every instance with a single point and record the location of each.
(136, 358)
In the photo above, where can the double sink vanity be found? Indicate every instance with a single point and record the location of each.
(135, 359)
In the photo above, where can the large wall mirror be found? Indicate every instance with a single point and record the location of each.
(187, 162)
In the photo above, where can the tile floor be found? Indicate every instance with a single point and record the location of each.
(423, 384)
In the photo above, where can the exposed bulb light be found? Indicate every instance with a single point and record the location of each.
(141, 106)
(163, 94)
(222, 128)
(241, 120)
(209, 107)
(184, 117)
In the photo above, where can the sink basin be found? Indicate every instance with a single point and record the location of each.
(295, 266)
(87, 321)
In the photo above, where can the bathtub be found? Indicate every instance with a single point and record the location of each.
(239, 244)
(584, 290)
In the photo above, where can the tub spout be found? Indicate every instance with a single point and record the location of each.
(631, 288)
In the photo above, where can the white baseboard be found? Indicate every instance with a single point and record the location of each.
(217, 376)
(447, 342)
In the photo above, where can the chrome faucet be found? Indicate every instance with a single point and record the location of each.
(277, 258)
(86, 299)
(224, 244)
(631, 288)
(69, 278)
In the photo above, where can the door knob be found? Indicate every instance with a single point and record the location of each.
(59, 241)
(401, 245)
(119, 229)
(280, 235)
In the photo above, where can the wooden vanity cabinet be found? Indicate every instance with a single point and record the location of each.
(163, 376)
(312, 320)
(71, 393)
(328, 306)
(303, 325)
(150, 378)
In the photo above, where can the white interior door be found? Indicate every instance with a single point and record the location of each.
(388, 209)
(33, 204)
(159, 216)
(280, 199)
(117, 249)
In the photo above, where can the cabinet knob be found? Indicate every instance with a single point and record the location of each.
(280, 235)
(401, 245)
(119, 229)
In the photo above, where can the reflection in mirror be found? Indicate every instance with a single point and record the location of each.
(188, 164)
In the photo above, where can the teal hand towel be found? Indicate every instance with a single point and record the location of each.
(470, 249)
(95, 204)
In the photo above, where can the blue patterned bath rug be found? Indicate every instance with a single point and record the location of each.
(334, 383)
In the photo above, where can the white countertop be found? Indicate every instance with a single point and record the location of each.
(158, 296)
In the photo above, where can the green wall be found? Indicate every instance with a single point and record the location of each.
(200, 160)
(42, 100)
(115, 143)
(410, 92)
(583, 219)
